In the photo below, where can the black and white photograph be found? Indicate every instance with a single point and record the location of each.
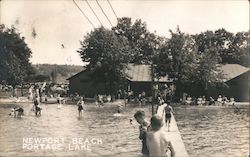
(124, 78)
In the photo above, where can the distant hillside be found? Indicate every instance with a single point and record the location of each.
(61, 72)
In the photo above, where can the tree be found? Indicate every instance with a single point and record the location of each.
(178, 59)
(107, 55)
(230, 47)
(14, 56)
(142, 42)
(208, 72)
(192, 65)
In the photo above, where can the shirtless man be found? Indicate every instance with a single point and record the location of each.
(157, 142)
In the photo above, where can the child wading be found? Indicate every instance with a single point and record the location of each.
(80, 104)
(143, 128)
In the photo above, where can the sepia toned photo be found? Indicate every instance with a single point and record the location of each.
(124, 78)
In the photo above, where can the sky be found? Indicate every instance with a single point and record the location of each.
(59, 22)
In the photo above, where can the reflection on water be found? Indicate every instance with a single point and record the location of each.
(119, 137)
(206, 131)
(214, 131)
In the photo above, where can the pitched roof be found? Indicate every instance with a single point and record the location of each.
(77, 74)
(231, 71)
(136, 73)
(142, 73)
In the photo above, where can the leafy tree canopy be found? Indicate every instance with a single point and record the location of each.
(14, 56)
(143, 43)
(107, 54)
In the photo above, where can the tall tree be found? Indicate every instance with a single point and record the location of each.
(177, 59)
(107, 55)
(142, 42)
(230, 47)
(14, 56)
(190, 64)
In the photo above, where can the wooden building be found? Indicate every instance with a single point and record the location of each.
(236, 77)
(139, 80)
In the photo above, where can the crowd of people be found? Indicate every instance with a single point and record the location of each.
(202, 101)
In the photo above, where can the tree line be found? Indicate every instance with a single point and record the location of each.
(188, 59)
(191, 60)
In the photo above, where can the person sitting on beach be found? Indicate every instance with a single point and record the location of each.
(80, 104)
(224, 100)
(140, 100)
(188, 100)
(168, 114)
(100, 100)
(199, 101)
(231, 101)
(18, 111)
(157, 143)
(203, 101)
(143, 128)
(219, 100)
(211, 101)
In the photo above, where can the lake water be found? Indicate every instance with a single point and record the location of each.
(206, 131)
(214, 131)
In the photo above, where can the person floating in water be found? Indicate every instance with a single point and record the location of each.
(119, 108)
(18, 111)
(144, 125)
(80, 104)
(157, 143)
(168, 114)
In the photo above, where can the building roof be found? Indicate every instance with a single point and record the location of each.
(136, 73)
(231, 71)
(142, 73)
(77, 74)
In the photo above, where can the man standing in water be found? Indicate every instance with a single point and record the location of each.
(168, 114)
(140, 118)
(80, 104)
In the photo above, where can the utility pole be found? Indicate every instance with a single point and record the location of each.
(0, 12)
(152, 87)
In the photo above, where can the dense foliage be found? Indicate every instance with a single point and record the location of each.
(14, 57)
(188, 59)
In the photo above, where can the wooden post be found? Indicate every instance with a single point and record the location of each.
(152, 87)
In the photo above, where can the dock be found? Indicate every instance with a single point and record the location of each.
(173, 134)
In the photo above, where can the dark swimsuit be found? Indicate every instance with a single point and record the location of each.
(20, 110)
(80, 107)
(168, 112)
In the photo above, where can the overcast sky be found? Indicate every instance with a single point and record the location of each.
(58, 22)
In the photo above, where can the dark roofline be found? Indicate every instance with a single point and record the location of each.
(245, 73)
(76, 74)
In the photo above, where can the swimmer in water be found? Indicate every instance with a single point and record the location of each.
(18, 111)
(119, 109)
(131, 121)
(80, 104)
(37, 106)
